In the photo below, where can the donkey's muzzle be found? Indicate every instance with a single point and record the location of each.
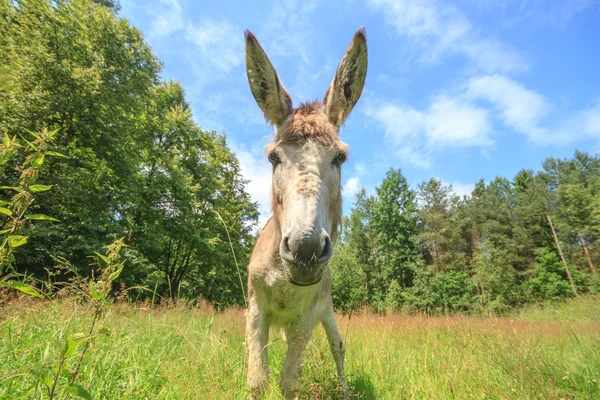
(306, 255)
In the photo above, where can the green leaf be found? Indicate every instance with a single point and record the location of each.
(6, 139)
(104, 258)
(53, 133)
(39, 217)
(56, 154)
(40, 188)
(5, 211)
(79, 391)
(73, 342)
(17, 240)
(5, 158)
(94, 292)
(33, 146)
(35, 135)
(42, 377)
(37, 163)
(22, 287)
(116, 273)
(104, 330)
(18, 189)
(5, 203)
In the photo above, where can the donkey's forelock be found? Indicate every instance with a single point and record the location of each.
(308, 122)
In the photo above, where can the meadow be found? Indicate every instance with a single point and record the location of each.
(177, 352)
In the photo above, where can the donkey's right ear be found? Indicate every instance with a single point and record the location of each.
(267, 89)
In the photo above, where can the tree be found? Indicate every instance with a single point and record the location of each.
(395, 226)
(139, 167)
(443, 225)
(360, 239)
(349, 292)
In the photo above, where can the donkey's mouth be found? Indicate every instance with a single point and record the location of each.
(301, 278)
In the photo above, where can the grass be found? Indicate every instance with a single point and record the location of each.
(178, 353)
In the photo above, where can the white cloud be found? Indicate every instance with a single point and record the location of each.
(462, 189)
(570, 8)
(465, 119)
(442, 29)
(446, 123)
(220, 44)
(529, 113)
(351, 187)
(168, 18)
(586, 121)
(453, 123)
(520, 108)
(557, 12)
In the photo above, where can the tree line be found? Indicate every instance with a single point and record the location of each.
(511, 242)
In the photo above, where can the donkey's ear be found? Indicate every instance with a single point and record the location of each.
(349, 79)
(267, 89)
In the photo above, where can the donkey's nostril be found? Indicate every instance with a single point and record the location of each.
(284, 250)
(327, 250)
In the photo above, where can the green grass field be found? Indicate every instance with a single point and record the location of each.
(178, 353)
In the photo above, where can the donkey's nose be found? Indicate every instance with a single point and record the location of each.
(306, 250)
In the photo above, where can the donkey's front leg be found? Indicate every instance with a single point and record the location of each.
(257, 336)
(337, 348)
(297, 335)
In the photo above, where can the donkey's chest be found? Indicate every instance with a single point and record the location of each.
(286, 301)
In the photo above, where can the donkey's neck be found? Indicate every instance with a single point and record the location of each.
(269, 240)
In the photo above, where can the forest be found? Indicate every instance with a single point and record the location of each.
(97, 147)
(511, 242)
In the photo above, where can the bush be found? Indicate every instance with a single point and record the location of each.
(550, 281)
(349, 290)
(446, 292)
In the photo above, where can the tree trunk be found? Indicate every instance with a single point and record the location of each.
(587, 253)
(561, 255)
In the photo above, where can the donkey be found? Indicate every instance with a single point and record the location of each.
(289, 281)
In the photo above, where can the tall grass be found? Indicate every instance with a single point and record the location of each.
(180, 353)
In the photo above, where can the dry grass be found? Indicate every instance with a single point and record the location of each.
(179, 353)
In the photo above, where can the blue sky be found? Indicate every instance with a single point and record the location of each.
(458, 90)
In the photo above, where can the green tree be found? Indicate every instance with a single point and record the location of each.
(138, 165)
(349, 290)
(395, 227)
(442, 226)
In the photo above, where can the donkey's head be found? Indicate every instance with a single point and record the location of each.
(307, 156)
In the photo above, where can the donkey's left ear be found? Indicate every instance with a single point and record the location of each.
(347, 85)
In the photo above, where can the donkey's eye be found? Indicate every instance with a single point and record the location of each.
(339, 159)
(274, 158)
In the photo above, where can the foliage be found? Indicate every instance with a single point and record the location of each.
(549, 281)
(138, 166)
(59, 377)
(349, 290)
(395, 226)
(433, 252)
(14, 209)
